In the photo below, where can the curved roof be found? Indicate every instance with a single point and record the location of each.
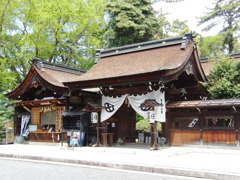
(55, 77)
(140, 62)
(44, 80)
(162, 58)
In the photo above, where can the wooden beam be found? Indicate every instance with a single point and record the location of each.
(126, 90)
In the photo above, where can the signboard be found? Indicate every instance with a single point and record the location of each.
(32, 128)
(151, 116)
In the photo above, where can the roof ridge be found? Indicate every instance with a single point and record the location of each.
(146, 45)
(232, 55)
(40, 64)
(63, 68)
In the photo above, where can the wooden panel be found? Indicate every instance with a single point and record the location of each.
(35, 116)
(46, 137)
(219, 137)
(179, 137)
(60, 110)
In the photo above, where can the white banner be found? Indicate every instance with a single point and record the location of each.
(24, 127)
(160, 110)
(111, 105)
(136, 101)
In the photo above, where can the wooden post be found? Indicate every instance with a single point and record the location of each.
(6, 131)
(98, 135)
(152, 135)
(201, 125)
(154, 144)
(236, 118)
(237, 138)
(62, 132)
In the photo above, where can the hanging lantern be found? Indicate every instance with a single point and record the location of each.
(94, 117)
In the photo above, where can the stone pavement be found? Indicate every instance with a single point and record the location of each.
(202, 162)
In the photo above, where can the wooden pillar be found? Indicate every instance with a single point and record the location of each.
(62, 132)
(152, 135)
(67, 105)
(201, 125)
(15, 123)
(166, 127)
(154, 144)
(166, 133)
(98, 133)
(236, 119)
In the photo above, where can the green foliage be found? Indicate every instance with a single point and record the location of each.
(138, 117)
(224, 79)
(169, 1)
(211, 45)
(179, 27)
(164, 25)
(7, 80)
(64, 32)
(144, 126)
(6, 112)
(130, 22)
(133, 21)
(227, 13)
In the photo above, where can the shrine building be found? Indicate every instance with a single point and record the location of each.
(160, 80)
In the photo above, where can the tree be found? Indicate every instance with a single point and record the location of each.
(164, 26)
(144, 126)
(179, 27)
(64, 32)
(227, 13)
(224, 79)
(210, 46)
(130, 22)
(7, 81)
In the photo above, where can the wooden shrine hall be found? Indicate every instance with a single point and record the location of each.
(159, 80)
(165, 70)
(41, 101)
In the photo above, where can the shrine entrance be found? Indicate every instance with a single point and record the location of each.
(123, 125)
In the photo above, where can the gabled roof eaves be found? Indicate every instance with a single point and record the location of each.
(51, 75)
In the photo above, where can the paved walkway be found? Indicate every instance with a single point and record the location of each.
(213, 163)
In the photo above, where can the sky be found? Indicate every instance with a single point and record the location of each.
(188, 10)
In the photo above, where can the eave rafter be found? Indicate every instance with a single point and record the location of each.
(131, 89)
